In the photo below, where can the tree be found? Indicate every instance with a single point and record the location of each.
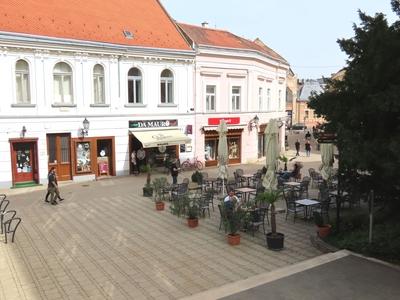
(364, 107)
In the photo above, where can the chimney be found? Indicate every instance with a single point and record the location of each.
(204, 24)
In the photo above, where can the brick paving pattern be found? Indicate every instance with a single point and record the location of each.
(106, 241)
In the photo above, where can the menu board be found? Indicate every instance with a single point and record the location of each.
(83, 163)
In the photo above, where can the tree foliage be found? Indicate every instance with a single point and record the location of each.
(364, 107)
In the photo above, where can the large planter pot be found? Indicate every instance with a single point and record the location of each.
(147, 191)
(324, 231)
(159, 205)
(192, 223)
(233, 239)
(275, 241)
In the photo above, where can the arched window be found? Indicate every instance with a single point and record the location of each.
(62, 77)
(22, 82)
(134, 86)
(98, 84)
(167, 87)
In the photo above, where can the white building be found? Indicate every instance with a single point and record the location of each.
(128, 72)
(236, 80)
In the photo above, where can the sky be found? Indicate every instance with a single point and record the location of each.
(304, 32)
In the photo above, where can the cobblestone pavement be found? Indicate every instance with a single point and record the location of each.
(106, 241)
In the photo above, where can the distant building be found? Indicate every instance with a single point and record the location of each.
(241, 81)
(305, 114)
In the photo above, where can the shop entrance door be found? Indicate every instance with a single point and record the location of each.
(24, 162)
(59, 151)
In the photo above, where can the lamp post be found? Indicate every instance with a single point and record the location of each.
(85, 129)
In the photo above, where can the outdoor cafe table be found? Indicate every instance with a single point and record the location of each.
(292, 184)
(306, 203)
(211, 180)
(246, 192)
(247, 177)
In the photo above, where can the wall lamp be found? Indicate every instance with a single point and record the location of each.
(253, 123)
(23, 131)
(85, 129)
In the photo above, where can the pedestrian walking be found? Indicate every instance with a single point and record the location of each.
(308, 135)
(308, 148)
(174, 171)
(297, 145)
(56, 193)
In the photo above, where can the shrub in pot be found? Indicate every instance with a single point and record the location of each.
(186, 206)
(159, 185)
(323, 229)
(275, 240)
(233, 222)
(197, 177)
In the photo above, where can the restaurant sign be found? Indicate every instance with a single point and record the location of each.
(229, 121)
(152, 124)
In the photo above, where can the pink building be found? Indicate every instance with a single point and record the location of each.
(241, 81)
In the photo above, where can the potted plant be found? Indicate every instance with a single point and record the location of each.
(323, 229)
(274, 239)
(159, 185)
(233, 223)
(148, 188)
(192, 212)
(188, 207)
(197, 177)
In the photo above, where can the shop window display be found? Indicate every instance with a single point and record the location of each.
(83, 162)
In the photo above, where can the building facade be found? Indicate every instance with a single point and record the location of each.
(82, 90)
(241, 81)
(305, 114)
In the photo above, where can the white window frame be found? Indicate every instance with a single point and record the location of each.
(211, 98)
(133, 80)
(279, 100)
(167, 81)
(260, 98)
(62, 76)
(236, 98)
(25, 93)
(99, 80)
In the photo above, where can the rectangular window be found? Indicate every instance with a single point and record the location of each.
(260, 98)
(210, 97)
(167, 91)
(63, 89)
(134, 90)
(22, 81)
(98, 85)
(236, 98)
(279, 100)
(83, 161)
(65, 157)
(268, 99)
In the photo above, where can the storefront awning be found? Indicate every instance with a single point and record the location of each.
(230, 127)
(158, 138)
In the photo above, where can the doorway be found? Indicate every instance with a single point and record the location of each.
(24, 161)
(59, 152)
(105, 157)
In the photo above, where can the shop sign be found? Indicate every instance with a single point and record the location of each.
(229, 121)
(152, 124)
(327, 138)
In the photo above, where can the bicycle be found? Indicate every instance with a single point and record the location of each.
(195, 164)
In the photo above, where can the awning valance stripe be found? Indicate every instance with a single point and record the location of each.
(230, 127)
(158, 138)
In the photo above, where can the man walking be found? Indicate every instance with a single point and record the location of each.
(174, 171)
(57, 190)
(297, 145)
(308, 148)
(52, 186)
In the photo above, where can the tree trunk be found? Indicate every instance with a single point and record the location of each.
(273, 221)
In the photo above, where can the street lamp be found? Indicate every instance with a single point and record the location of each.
(253, 123)
(85, 129)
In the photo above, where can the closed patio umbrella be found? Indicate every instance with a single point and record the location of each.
(270, 181)
(222, 152)
(327, 160)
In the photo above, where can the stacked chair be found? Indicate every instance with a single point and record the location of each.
(9, 223)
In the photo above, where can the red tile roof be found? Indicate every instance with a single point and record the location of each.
(222, 38)
(94, 20)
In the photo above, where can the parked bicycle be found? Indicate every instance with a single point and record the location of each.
(195, 164)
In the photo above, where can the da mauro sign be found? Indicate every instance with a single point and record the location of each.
(152, 124)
